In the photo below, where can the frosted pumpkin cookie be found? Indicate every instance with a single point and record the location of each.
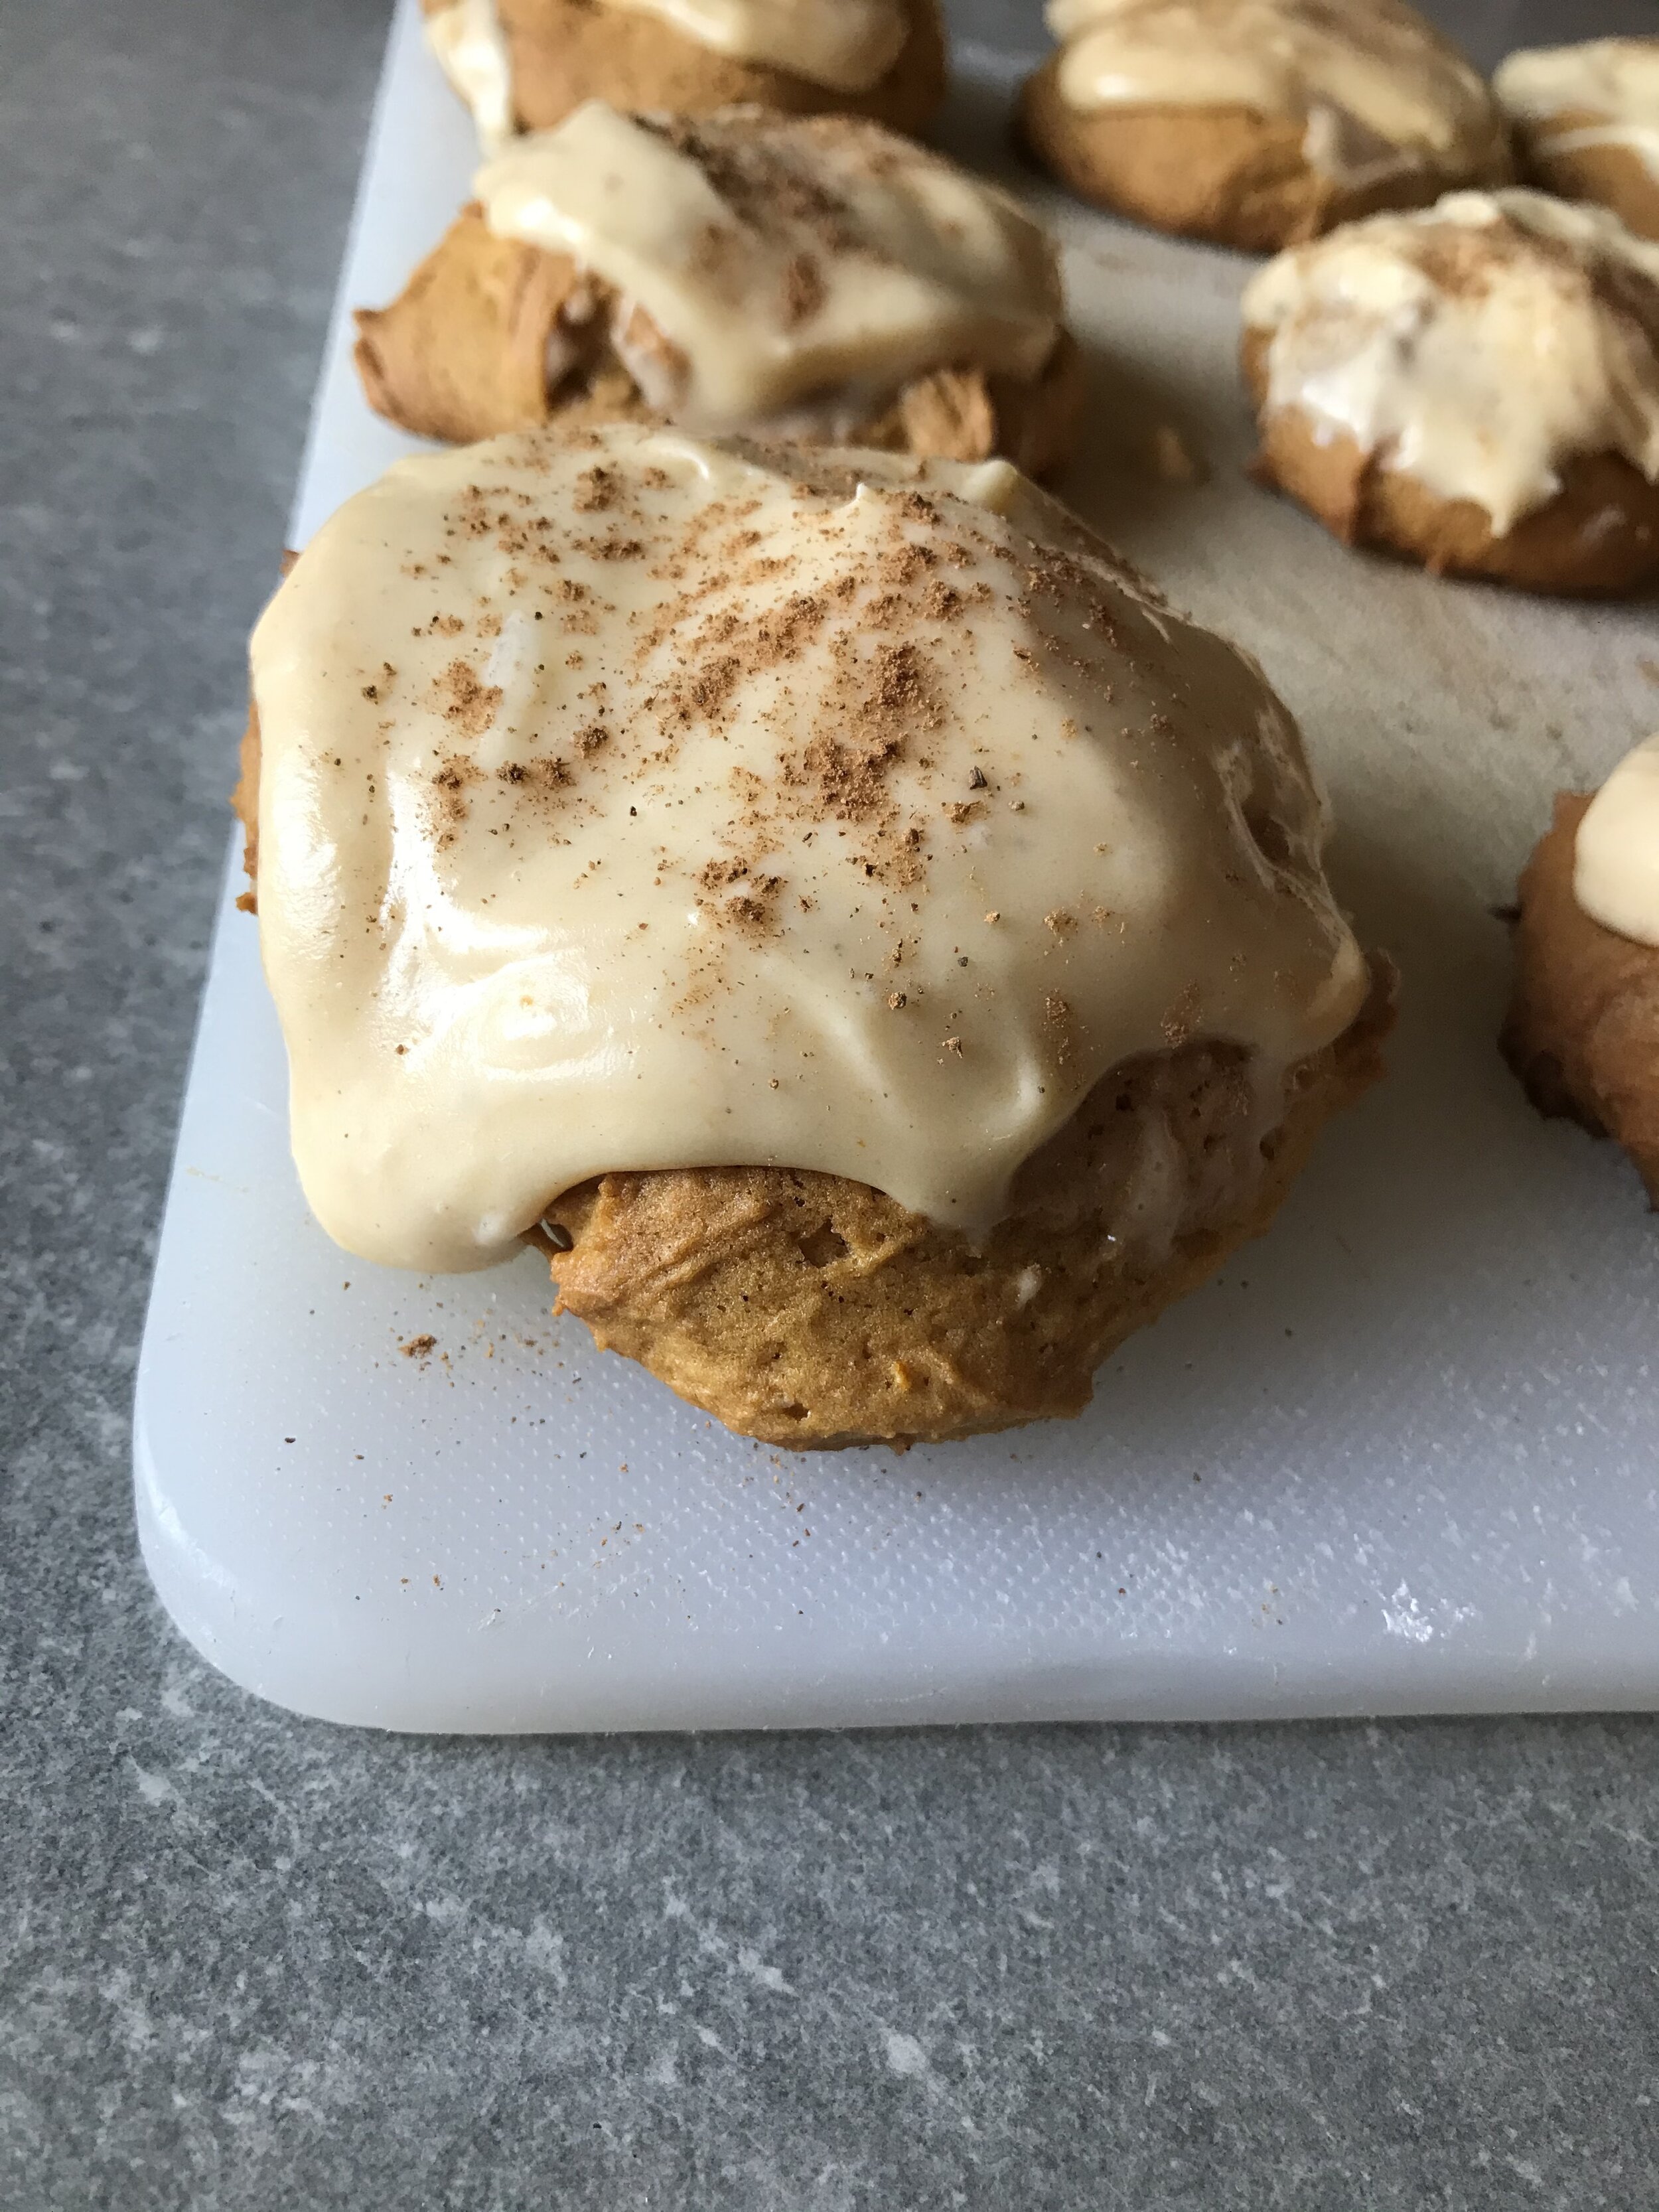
(1475, 387)
(809, 277)
(1583, 1032)
(1256, 123)
(525, 64)
(880, 950)
(1586, 122)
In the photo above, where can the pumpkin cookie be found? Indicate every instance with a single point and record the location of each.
(1475, 387)
(1258, 122)
(1586, 121)
(525, 64)
(1583, 1032)
(879, 950)
(815, 277)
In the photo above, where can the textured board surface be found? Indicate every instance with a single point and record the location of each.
(1401, 1457)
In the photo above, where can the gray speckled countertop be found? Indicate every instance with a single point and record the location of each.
(250, 1962)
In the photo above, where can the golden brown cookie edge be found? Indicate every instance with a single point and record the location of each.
(932, 1363)
(1582, 1031)
(1613, 177)
(1562, 547)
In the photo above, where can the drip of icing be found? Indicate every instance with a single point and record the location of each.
(1616, 854)
(466, 38)
(846, 45)
(1613, 80)
(1641, 139)
(1375, 86)
(641, 801)
(1478, 344)
(780, 256)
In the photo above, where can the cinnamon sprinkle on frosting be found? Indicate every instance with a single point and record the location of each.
(637, 861)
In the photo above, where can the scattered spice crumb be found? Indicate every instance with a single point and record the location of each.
(1172, 459)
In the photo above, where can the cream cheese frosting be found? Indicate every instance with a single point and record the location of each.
(846, 45)
(1616, 854)
(1376, 88)
(1607, 87)
(781, 256)
(1478, 344)
(467, 39)
(645, 801)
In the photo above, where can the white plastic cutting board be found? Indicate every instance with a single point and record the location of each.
(1400, 1458)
